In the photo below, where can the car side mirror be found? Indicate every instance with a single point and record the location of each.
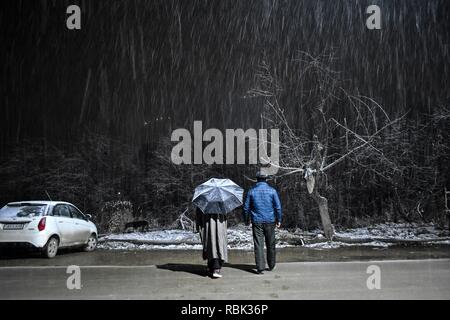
(89, 217)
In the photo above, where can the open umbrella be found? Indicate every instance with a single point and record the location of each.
(218, 196)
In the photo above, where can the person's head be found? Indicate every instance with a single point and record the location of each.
(261, 176)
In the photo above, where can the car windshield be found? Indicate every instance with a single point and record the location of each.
(22, 210)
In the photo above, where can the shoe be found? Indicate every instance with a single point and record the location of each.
(271, 269)
(259, 271)
(216, 274)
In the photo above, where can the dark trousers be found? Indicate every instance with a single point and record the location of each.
(264, 233)
(215, 264)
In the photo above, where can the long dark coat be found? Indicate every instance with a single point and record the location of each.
(213, 234)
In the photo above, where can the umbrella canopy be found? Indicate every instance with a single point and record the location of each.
(218, 196)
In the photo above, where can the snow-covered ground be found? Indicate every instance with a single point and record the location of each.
(240, 237)
(406, 231)
(338, 244)
(120, 245)
(397, 231)
(161, 235)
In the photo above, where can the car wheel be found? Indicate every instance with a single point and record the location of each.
(91, 243)
(51, 248)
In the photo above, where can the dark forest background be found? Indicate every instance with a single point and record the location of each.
(87, 115)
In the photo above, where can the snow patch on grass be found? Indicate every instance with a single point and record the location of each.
(161, 235)
(240, 237)
(406, 231)
(338, 244)
(118, 245)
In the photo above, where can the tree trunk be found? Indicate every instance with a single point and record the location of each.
(301, 221)
(322, 202)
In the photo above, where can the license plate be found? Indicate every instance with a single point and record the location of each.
(16, 226)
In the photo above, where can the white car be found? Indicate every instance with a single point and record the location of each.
(46, 225)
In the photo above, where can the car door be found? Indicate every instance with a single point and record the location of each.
(82, 229)
(64, 221)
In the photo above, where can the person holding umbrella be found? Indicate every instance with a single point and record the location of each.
(263, 207)
(214, 199)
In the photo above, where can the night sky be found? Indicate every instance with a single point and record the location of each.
(167, 63)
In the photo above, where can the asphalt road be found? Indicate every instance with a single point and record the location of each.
(399, 279)
(13, 257)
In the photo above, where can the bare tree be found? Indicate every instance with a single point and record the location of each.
(333, 126)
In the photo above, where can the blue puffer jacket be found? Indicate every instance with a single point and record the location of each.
(262, 204)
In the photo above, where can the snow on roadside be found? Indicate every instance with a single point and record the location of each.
(160, 235)
(389, 230)
(118, 245)
(338, 244)
(406, 231)
(240, 237)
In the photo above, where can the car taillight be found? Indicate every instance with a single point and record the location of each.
(41, 225)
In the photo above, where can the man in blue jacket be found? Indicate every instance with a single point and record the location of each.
(263, 207)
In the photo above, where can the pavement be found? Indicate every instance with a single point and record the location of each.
(174, 279)
(14, 257)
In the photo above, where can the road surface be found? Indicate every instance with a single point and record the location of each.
(399, 279)
(14, 257)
